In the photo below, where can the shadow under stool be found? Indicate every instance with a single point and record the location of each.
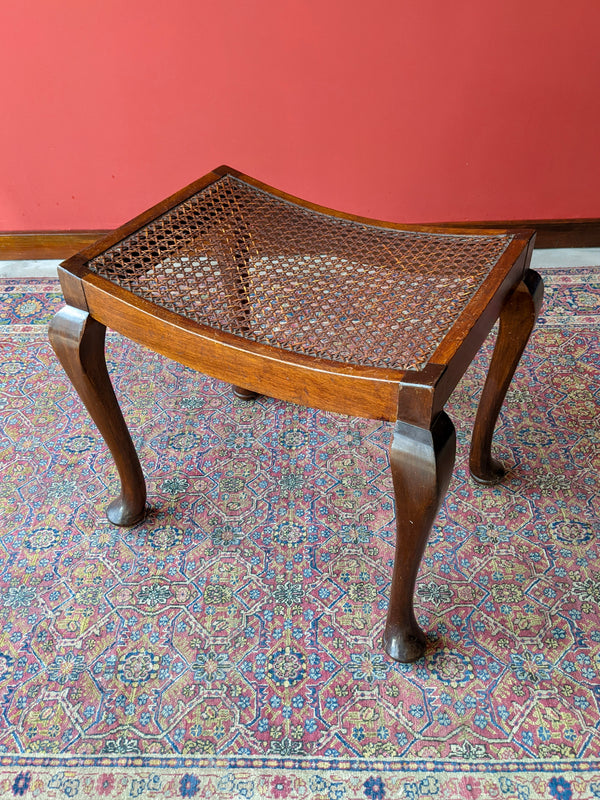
(284, 298)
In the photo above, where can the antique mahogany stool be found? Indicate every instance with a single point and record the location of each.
(281, 297)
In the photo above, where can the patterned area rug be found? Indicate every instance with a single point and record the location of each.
(229, 646)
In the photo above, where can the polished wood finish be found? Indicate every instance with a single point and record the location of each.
(244, 394)
(550, 233)
(413, 397)
(421, 461)
(517, 318)
(33, 245)
(78, 341)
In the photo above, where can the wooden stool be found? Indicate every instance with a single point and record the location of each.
(281, 297)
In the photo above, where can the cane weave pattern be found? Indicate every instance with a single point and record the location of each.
(241, 260)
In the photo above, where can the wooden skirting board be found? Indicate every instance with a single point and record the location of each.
(56, 245)
(62, 244)
(551, 233)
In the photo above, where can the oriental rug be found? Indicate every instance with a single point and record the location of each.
(229, 645)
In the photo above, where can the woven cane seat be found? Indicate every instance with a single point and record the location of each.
(243, 260)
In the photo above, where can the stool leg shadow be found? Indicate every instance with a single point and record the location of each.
(517, 319)
(421, 462)
(78, 341)
(239, 301)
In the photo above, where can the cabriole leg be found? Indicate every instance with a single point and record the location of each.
(421, 462)
(517, 319)
(78, 341)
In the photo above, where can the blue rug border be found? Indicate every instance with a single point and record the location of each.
(309, 763)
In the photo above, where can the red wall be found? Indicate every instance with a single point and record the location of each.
(416, 111)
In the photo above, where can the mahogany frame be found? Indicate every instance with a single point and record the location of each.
(423, 444)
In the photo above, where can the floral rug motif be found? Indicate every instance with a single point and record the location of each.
(229, 646)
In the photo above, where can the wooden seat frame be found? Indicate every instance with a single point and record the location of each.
(423, 445)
